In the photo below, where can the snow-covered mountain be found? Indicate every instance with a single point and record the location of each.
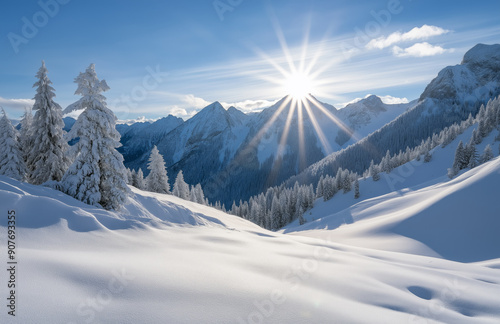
(214, 143)
(366, 116)
(139, 138)
(476, 78)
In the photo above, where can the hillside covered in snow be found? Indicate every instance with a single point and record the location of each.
(163, 259)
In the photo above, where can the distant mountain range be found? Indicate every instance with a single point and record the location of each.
(223, 149)
(234, 155)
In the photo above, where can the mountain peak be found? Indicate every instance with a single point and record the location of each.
(372, 100)
(482, 53)
(215, 106)
(214, 109)
(476, 78)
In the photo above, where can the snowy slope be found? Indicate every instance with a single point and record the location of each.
(417, 209)
(163, 260)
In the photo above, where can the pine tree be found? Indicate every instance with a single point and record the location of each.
(255, 212)
(138, 180)
(302, 219)
(181, 188)
(347, 184)
(356, 188)
(472, 153)
(276, 222)
(374, 172)
(197, 194)
(11, 158)
(130, 176)
(329, 188)
(452, 172)
(98, 176)
(386, 165)
(25, 136)
(320, 187)
(487, 154)
(427, 157)
(157, 179)
(47, 159)
(461, 159)
(339, 180)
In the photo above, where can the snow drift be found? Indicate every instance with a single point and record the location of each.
(165, 260)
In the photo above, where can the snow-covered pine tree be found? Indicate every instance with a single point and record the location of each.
(276, 216)
(285, 217)
(339, 180)
(452, 172)
(138, 179)
(25, 137)
(199, 194)
(329, 188)
(374, 171)
(461, 159)
(255, 210)
(385, 164)
(487, 154)
(427, 157)
(11, 157)
(320, 187)
(97, 176)
(47, 159)
(181, 188)
(472, 154)
(157, 179)
(347, 184)
(130, 177)
(302, 219)
(356, 188)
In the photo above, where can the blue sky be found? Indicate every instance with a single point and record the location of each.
(162, 57)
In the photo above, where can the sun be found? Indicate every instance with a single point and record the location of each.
(298, 85)
(298, 74)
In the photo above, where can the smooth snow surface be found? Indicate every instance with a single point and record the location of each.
(417, 209)
(165, 260)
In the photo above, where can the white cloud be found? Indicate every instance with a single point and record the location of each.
(418, 50)
(193, 101)
(250, 106)
(141, 119)
(417, 33)
(390, 100)
(181, 112)
(17, 104)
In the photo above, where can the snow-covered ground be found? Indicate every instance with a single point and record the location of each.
(407, 257)
(417, 209)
